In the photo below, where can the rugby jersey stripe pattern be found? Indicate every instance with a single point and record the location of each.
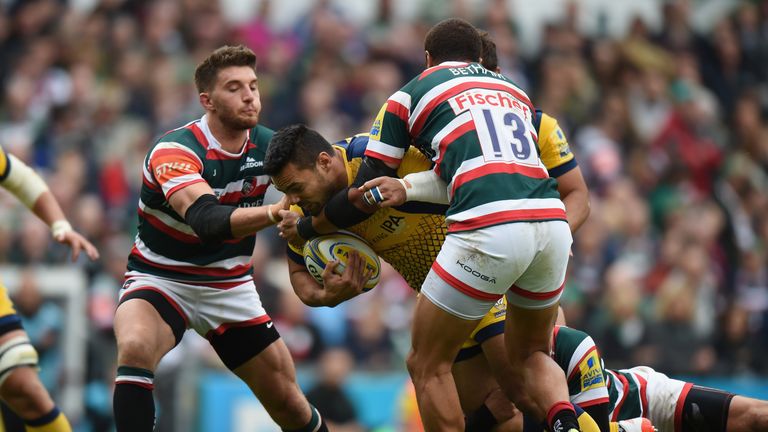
(477, 126)
(165, 245)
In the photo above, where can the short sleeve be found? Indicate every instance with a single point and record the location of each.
(389, 137)
(174, 167)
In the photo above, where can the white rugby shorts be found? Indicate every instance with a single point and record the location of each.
(207, 307)
(526, 261)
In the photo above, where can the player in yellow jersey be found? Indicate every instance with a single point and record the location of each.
(20, 387)
(309, 170)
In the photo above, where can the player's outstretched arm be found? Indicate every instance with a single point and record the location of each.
(26, 185)
(47, 208)
(425, 186)
(214, 222)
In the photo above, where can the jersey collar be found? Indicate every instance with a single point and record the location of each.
(214, 144)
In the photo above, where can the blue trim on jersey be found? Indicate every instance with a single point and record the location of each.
(564, 168)
(492, 330)
(420, 207)
(294, 256)
(45, 419)
(355, 146)
(9, 319)
(537, 120)
(467, 353)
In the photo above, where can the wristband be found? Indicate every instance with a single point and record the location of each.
(60, 228)
(270, 215)
(305, 229)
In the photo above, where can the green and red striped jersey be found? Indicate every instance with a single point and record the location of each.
(165, 245)
(575, 352)
(477, 127)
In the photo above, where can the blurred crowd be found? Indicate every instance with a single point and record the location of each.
(667, 124)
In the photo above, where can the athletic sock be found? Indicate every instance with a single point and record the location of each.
(54, 421)
(316, 423)
(134, 406)
(562, 417)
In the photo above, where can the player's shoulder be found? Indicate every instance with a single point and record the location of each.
(261, 136)
(565, 331)
(567, 336)
(354, 146)
(185, 136)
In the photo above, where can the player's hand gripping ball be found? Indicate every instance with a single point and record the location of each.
(337, 246)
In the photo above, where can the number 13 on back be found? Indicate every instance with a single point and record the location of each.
(505, 136)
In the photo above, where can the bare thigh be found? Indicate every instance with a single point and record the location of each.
(143, 337)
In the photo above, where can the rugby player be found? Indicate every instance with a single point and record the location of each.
(309, 170)
(200, 208)
(477, 127)
(20, 387)
(670, 405)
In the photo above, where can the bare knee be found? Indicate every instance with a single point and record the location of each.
(421, 367)
(25, 394)
(137, 352)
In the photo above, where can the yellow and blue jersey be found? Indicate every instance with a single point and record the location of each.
(408, 237)
(8, 318)
(554, 150)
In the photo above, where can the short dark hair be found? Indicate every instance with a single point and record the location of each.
(488, 57)
(224, 57)
(295, 144)
(453, 39)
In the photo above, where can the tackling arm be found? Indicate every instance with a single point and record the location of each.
(213, 222)
(346, 207)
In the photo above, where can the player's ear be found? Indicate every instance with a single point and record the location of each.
(206, 102)
(323, 161)
(428, 59)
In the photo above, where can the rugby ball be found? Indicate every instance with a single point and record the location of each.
(337, 246)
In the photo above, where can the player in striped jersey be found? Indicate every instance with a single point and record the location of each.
(199, 211)
(20, 387)
(640, 392)
(309, 170)
(477, 127)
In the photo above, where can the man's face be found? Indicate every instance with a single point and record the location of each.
(235, 97)
(309, 188)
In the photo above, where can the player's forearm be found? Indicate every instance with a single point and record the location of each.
(250, 220)
(307, 289)
(576, 208)
(575, 195)
(47, 209)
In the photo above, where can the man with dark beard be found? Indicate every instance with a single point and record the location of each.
(200, 208)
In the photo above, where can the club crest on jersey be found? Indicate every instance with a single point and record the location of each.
(249, 186)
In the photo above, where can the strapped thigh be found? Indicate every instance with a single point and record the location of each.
(165, 307)
(236, 344)
(705, 410)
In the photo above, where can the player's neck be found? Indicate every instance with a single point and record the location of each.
(342, 179)
(231, 140)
